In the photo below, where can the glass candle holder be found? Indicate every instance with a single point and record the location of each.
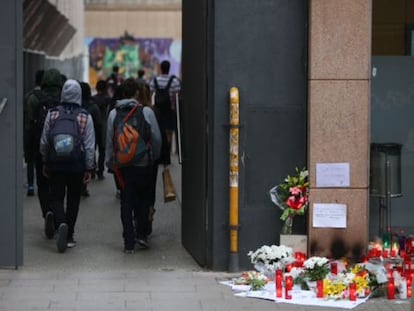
(391, 289)
(319, 289)
(352, 291)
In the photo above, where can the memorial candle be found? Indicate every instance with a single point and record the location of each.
(334, 268)
(288, 287)
(278, 283)
(319, 289)
(352, 291)
(391, 289)
(409, 286)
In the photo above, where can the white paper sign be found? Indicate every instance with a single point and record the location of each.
(332, 175)
(329, 215)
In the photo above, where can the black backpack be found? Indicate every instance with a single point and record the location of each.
(46, 102)
(162, 99)
(66, 150)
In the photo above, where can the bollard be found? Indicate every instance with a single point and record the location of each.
(234, 180)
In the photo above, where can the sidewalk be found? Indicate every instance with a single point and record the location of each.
(97, 275)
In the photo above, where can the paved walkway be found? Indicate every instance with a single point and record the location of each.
(97, 275)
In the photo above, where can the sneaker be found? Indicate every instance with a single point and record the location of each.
(129, 251)
(85, 193)
(71, 243)
(49, 225)
(100, 176)
(30, 191)
(62, 238)
(143, 243)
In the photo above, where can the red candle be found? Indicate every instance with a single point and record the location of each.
(288, 287)
(393, 253)
(352, 291)
(278, 283)
(391, 289)
(385, 253)
(409, 285)
(279, 293)
(319, 289)
(334, 268)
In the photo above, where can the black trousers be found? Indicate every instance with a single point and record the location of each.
(136, 198)
(66, 185)
(43, 187)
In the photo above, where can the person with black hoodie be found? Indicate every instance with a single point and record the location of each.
(36, 109)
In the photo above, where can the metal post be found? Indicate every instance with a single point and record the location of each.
(234, 180)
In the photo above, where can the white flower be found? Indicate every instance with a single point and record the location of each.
(311, 262)
(272, 257)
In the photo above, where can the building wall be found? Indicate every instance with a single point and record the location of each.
(140, 22)
(390, 21)
(74, 11)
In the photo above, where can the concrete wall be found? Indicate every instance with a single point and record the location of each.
(139, 22)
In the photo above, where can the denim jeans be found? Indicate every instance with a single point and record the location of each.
(135, 200)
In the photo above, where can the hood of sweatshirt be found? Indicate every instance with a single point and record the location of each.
(126, 102)
(51, 82)
(71, 92)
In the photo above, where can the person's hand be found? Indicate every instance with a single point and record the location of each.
(44, 172)
(86, 178)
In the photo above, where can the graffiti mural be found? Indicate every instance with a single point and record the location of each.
(130, 55)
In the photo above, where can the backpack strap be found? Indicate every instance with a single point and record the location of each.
(156, 84)
(169, 82)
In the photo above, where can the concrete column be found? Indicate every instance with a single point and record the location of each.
(339, 116)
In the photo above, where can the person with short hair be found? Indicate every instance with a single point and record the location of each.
(136, 178)
(167, 117)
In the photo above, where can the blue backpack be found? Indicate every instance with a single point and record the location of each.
(66, 150)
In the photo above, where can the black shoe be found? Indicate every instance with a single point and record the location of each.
(129, 251)
(143, 243)
(62, 238)
(49, 225)
(85, 193)
(30, 191)
(101, 176)
(118, 195)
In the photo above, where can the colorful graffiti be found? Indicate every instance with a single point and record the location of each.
(131, 55)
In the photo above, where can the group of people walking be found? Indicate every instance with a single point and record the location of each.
(64, 127)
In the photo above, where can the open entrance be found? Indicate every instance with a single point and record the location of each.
(260, 48)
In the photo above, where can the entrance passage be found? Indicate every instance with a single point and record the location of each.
(99, 234)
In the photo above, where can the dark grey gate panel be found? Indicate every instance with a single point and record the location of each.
(11, 239)
(194, 118)
(260, 47)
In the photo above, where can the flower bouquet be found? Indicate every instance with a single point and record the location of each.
(292, 197)
(255, 279)
(316, 268)
(268, 259)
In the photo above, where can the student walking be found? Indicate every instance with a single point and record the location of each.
(36, 110)
(135, 176)
(67, 147)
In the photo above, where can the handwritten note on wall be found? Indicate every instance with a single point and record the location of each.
(329, 215)
(332, 175)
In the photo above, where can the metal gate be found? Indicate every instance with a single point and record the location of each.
(261, 48)
(11, 111)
